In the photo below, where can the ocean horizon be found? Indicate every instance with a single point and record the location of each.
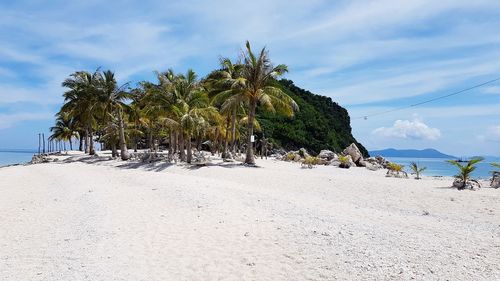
(439, 166)
(435, 166)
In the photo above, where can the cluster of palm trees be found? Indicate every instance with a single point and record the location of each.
(179, 110)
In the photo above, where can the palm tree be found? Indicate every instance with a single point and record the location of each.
(465, 171)
(256, 88)
(416, 169)
(80, 102)
(63, 129)
(112, 99)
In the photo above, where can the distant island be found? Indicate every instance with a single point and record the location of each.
(414, 153)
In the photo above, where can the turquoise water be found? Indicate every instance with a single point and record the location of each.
(15, 156)
(439, 167)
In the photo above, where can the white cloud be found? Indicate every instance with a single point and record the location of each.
(493, 90)
(407, 129)
(9, 120)
(492, 134)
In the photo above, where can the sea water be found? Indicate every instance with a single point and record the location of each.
(439, 166)
(9, 157)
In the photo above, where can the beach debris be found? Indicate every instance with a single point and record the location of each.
(425, 213)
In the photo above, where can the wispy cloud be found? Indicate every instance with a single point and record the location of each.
(415, 129)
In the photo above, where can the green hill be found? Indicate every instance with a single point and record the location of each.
(319, 124)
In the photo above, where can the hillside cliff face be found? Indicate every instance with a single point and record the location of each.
(319, 124)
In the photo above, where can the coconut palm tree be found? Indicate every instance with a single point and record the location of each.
(112, 100)
(63, 129)
(80, 102)
(465, 171)
(255, 87)
(416, 169)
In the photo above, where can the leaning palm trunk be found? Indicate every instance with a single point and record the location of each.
(233, 132)
(250, 159)
(70, 144)
(123, 144)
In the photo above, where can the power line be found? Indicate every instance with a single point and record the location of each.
(427, 101)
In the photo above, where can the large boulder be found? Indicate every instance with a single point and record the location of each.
(354, 152)
(459, 184)
(495, 181)
(327, 155)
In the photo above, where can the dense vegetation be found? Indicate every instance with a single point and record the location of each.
(319, 124)
(180, 112)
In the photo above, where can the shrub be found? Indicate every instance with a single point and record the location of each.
(310, 161)
(344, 161)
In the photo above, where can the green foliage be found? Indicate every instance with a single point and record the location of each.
(395, 167)
(465, 171)
(290, 156)
(319, 124)
(344, 159)
(416, 169)
(311, 161)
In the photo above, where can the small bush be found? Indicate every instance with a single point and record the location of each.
(344, 161)
(310, 161)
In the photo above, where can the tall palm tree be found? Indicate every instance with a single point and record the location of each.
(112, 99)
(256, 88)
(80, 102)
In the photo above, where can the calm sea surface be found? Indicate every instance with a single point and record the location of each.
(435, 166)
(8, 157)
(439, 167)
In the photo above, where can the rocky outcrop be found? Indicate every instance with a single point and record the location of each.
(327, 155)
(353, 151)
(470, 184)
(495, 180)
(39, 158)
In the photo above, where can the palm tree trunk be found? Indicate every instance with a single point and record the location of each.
(80, 138)
(70, 144)
(170, 144)
(86, 141)
(114, 153)
(64, 143)
(123, 144)
(181, 146)
(150, 140)
(188, 147)
(91, 142)
(233, 132)
(225, 153)
(250, 159)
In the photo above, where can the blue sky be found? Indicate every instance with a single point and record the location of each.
(369, 56)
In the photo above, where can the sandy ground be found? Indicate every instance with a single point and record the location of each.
(110, 220)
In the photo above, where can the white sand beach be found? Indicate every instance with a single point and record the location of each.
(114, 220)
